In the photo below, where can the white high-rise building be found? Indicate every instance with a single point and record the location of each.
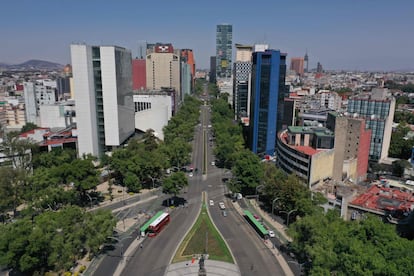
(102, 77)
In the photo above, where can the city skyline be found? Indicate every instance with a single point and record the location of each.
(348, 35)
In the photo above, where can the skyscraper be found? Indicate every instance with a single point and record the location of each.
(267, 96)
(163, 67)
(377, 108)
(242, 70)
(306, 59)
(212, 73)
(103, 96)
(224, 38)
(296, 64)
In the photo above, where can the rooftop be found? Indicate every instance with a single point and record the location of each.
(383, 198)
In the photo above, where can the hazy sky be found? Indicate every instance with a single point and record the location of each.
(341, 34)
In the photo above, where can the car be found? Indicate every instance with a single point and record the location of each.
(224, 214)
(213, 163)
(256, 217)
(190, 174)
(211, 202)
(271, 234)
(222, 207)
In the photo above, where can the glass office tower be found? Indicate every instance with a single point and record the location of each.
(266, 107)
(224, 38)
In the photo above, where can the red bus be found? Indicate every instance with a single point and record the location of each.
(156, 226)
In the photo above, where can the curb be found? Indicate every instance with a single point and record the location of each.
(212, 221)
(186, 233)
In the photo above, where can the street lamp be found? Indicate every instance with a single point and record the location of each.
(273, 204)
(257, 188)
(120, 242)
(153, 180)
(90, 198)
(288, 215)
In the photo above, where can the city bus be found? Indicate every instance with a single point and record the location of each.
(158, 224)
(260, 229)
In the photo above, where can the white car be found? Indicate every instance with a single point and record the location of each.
(190, 174)
(211, 202)
(213, 163)
(222, 207)
(271, 234)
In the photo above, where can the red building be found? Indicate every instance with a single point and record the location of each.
(296, 64)
(139, 76)
(189, 57)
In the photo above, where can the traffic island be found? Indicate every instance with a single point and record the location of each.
(203, 240)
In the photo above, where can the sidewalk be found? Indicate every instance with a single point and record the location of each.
(273, 249)
(280, 228)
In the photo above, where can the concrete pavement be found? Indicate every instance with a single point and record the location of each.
(213, 268)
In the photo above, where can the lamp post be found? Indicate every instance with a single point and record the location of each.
(257, 188)
(273, 204)
(90, 198)
(153, 180)
(288, 215)
(120, 242)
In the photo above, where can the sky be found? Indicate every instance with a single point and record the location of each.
(340, 34)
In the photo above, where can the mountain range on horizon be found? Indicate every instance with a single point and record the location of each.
(33, 64)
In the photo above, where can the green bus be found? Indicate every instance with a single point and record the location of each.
(260, 229)
(144, 229)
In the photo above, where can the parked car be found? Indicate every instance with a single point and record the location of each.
(211, 202)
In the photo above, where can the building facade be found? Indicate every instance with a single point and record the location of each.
(241, 72)
(212, 74)
(352, 143)
(163, 68)
(224, 44)
(139, 74)
(306, 152)
(153, 110)
(103, 95)
(377, 108)
(297, 65)
(267, 95)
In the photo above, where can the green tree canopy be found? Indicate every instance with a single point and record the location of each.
(28, 126)
(53, 240)
(328, 244)
(173, 184)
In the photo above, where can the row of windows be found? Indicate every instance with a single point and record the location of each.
(140, 106)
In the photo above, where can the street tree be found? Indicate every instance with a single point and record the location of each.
(249, 171)
(173, 184)
(12, 189)
(18, 151)
(53, 241)
(28, 126)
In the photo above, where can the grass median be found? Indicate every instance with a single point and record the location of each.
(203, 238)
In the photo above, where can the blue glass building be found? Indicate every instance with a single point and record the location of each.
(268, 90)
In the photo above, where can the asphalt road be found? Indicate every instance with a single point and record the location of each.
(248, 249)
(252, 256)
(155, 255)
